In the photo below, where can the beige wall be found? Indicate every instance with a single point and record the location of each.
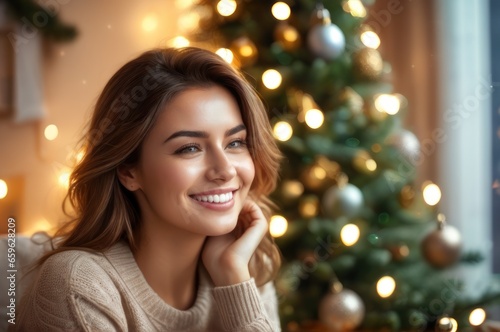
(110, 33)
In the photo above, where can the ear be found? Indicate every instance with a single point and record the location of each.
(128, 177)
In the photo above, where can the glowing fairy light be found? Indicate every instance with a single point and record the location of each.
(281, 11)
(189, 21)
(282, 131)
(448, 324)
(149, 23)
(477, 317)
(226, 7)
(431, 193)
(355, 8)
(179, 42)
(386, 286)
(370, 39)
(389, 104)
(4, 189)
(314, 118)
(51, 132)
(292, 189)
(226, 54)
(278, 226)
(271, 79)
(349, 234)
(371, 165)
(64, 179)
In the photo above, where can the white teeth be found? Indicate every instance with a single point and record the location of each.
(222, 198)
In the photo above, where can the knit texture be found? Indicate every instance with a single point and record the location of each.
(82, 291)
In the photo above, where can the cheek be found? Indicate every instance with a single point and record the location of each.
(246, 170)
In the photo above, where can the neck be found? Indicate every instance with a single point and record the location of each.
(168, 258)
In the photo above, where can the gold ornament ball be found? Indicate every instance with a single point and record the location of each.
(441, 247)
(287, 36)
(368, 64)
(342, 311)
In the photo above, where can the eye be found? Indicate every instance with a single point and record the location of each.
(237, 143)
(191, 148)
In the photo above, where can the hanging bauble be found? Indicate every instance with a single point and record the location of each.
(442, 246)
(245, 51)
(325, 39)
(406, 143)
(309, 206)
(367, 64)
(287, 36)
(343, 200)
(341, 309)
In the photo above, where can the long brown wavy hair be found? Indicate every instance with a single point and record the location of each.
(104, 212)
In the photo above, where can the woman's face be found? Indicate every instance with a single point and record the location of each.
(195, 169)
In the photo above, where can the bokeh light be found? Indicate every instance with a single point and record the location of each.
(226, 7)
(314, 118)
(477, 317)
(282, 131)
(226, 54)
(370, 39)
(431, 193)
(386, 286)
(281, 11)
(149, 23)
(278, 226)
(389, 104)
(355, 8)
(349, 234)
(179, 42)
(51, 132)
(271, 79)
(4, 189)
(64, 179)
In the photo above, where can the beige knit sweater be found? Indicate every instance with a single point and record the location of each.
(81, 291)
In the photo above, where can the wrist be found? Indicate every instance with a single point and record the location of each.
(227, 277)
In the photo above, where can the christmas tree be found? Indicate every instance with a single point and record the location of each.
(362, 246)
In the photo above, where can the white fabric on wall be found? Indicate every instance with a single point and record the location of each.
(28, 92)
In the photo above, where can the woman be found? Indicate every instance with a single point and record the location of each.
(171, 207)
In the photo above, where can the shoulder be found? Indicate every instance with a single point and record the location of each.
(74, 273)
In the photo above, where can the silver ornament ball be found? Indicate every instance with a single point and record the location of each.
(345, 201)
(342, 311)
(407, 144)
(326, 41)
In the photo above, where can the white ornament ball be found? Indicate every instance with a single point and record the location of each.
(326, 41)
(342, 311)
(345, 201)
(407, 144)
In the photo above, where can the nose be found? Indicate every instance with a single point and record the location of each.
(220, 167)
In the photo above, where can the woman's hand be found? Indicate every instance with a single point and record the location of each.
(226, 257)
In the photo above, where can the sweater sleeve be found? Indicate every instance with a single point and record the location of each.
(69, 294)
(242, 309)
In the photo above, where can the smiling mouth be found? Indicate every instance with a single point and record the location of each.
(220, 198)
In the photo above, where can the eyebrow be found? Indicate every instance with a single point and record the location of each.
(204, 134)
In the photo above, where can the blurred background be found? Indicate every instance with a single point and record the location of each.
(440, 55)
